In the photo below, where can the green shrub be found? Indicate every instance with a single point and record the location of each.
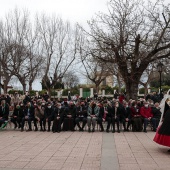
(142, 90)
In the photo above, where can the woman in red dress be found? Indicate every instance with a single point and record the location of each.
(162, 136)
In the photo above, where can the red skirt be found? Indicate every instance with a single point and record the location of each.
(162, 139)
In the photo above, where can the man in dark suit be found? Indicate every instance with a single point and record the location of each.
(126, 116)
(28, 116)
(116, 115)
(48, 115)
(81, 115)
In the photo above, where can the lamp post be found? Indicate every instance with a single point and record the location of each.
(160, 69)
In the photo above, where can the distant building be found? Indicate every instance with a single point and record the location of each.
(108, 80)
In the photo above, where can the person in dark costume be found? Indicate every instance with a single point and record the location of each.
(58, 118)
(162, 135)
(69, 117)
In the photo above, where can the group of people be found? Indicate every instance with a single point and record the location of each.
(57, 116)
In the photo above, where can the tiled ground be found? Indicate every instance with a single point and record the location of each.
(80, 151)
(137, 151)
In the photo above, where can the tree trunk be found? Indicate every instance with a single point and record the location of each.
(5, 84)
(97, 88)
(131, 90)
(24, 88)
(30, 87)
(5, 88)
(49, 91)
(119, 83)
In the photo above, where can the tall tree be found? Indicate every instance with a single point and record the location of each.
(96, 71)
(132, 34)
(59, 43)
(70, 79)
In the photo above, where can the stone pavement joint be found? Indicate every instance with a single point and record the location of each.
(109, 155)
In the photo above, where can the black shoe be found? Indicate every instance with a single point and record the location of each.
(89, 130)
(145, 131)
(15, 127)
(127, 130)
(36, 129)
(54, 131)
(22, 130)
(48, 130)
(28, 130)
(93, 130)
(44, 130)
(41, 130)
(101, 130)
(113, 131)
(80, 130)
(118, 131)
(107, 130)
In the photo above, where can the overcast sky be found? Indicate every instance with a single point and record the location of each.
(72, 10)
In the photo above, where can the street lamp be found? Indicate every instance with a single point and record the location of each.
(160, 69)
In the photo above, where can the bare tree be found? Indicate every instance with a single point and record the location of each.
(14, 52)
(118, 80)
(95, 70)
(59, 43)
(133, 34)
(70, 79)
(35, 58)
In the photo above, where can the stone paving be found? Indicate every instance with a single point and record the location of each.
(81, 151)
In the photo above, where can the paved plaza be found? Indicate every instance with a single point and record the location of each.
(81, 151)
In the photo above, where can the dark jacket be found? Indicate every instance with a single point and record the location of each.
(49, 112)
(18, 112)
(81, 111)
(101, 112)
(110, 111)
(71, 111)
(4, 112)
(29, 112)
(58, 112)
(126, 112)
(116, 114)
(156, 112)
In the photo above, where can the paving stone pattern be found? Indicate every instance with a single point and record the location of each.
(81, 151)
